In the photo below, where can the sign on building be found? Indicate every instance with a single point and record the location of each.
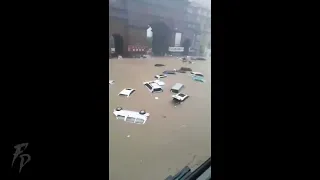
(176, 49)
(180, 49)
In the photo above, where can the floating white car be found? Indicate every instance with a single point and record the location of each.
(160, 83)
(196, 74)
(131, 116)
(111, 81)
(160, 76)
(153, 87)
(180, 97)
(126, 92)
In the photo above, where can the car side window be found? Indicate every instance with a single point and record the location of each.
(148, 86)
(139, 121)
(131, 92)
(120, 117)
(158, 89)
(130, 119)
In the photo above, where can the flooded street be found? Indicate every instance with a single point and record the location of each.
(172, 137)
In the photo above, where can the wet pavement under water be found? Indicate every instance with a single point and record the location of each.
(173, 137)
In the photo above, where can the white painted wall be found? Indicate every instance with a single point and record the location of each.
(149, 32)
(177, 39)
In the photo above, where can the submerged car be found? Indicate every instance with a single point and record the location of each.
(131, 116)
(160, 76)
(160, 83)
(198, 78)
(177, 87)
(197, 74)
(180, 71)
(153, 87)
(111, 81)
(126, 92)
(180, 97)
(169, 72)
(185, 69)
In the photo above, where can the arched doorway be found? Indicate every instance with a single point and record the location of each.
(160, 38)
(118, 44)
(186, 45)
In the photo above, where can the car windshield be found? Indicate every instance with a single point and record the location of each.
(177, 130)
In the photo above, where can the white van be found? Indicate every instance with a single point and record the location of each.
(153, 87)
(131, 116)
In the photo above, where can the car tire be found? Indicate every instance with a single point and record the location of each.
(118, 108)
(142, 112)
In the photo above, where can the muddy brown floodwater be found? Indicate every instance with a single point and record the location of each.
(172, 137)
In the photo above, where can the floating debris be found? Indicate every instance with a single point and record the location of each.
(128, 136)
(156, 98)
(159, 65)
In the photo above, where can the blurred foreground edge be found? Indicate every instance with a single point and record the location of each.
(201, 173)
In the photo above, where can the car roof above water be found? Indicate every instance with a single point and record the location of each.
(154, 85)
(177, 86)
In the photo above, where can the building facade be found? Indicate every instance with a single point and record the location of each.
(130, 19)
(200, 15)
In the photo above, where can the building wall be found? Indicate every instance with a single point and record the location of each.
(137, 36)
(130, 18)
(119, 26)
(200, 16)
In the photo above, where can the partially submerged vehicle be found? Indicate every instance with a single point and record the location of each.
(180, 97)
(111, 81)
(153, 87)
(169, 72)
(159, 65)
(198, 58)
(160, 76)
(201, 58)
(185, 69)
(198, 78)
(197, 74)
(126, 92)
(180, 71)
(177, 87)
(131, 116)
(160, 83)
